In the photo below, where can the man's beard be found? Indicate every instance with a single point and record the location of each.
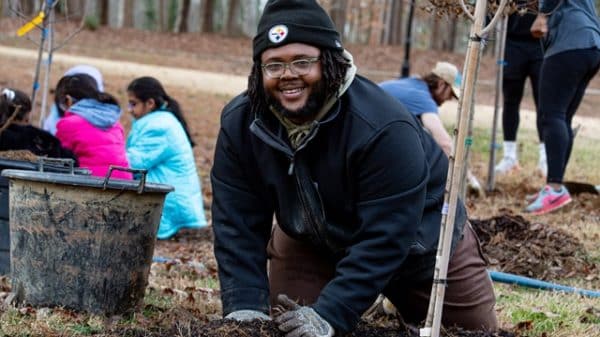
(311, 108)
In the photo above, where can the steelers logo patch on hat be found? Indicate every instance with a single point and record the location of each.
(278, 33)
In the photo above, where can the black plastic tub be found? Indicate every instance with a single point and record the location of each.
(82, 242)
(44, 165)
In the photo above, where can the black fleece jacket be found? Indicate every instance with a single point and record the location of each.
(38, 141)
(365, 189)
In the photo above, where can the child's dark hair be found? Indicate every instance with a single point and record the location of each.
(145, 88)
(14, 106)
(79, 86)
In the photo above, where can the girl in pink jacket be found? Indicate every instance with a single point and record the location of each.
(90, 127)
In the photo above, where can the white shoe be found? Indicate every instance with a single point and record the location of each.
(507, 165)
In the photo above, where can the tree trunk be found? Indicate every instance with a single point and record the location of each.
(128, 13)
(162, 14)
(74, 9)
(338, 15)
(28, 7)
(103, 9)
(452, 35)
(435, 33)
(181, 25)
(376, 22)
(233, 18)
(91, 8)
(207, 21)
(396, 26)
(250, 10)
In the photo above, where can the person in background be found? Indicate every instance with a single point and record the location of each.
(160, 142)
(55, 112)
(90, 126)
(523, 59)
(355, 184)
(423, 95)
(571, 30)
(16, 132)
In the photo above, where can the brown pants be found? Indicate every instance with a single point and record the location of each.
(300, 273)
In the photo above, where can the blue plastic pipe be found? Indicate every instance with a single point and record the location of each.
(161, 259)
(537, 284)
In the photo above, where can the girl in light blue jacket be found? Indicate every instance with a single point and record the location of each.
(160, 142)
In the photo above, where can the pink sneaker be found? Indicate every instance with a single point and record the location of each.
(549, 200)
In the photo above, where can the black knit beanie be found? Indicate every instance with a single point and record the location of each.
(289, 21)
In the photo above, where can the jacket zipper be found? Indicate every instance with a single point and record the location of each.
(261, 131)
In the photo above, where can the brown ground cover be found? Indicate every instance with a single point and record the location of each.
(514, 245)
(228, 328)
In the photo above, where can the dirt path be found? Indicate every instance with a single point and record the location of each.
(231, 85)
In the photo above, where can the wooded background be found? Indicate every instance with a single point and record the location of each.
(372, 22)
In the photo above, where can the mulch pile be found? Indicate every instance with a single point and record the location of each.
(514, 245)
(23, 155)
(229, 328)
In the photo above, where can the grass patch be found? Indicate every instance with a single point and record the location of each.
(542, 313)
(91, 326)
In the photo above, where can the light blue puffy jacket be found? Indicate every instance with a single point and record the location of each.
(158, 143)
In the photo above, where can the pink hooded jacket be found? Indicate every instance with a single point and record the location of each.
(90, 129)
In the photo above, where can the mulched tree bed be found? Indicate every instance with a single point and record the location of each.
(514, 245)
(229, 328)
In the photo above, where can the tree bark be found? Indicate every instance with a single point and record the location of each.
(452, 35)
(396, 26)
(162, 14)
(181, 23)
(233, 18)
(128, 13)
(435, 33)
(338, 14)
(207, 21)
(91, 8)
(376, 22)
(28, 7)
(104, 12)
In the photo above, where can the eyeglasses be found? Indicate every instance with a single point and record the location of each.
(298, 67)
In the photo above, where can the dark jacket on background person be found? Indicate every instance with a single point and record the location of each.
(38, 141)
(365, 188)
(518, 27)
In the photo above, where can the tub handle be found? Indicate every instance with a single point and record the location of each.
(141, 186)
(64, 162)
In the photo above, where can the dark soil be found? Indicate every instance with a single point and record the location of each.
(514, 245)
(228, 328)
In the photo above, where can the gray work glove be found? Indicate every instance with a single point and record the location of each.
(247, 315)
(301, 321)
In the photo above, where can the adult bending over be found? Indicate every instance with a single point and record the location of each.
(355, 185)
